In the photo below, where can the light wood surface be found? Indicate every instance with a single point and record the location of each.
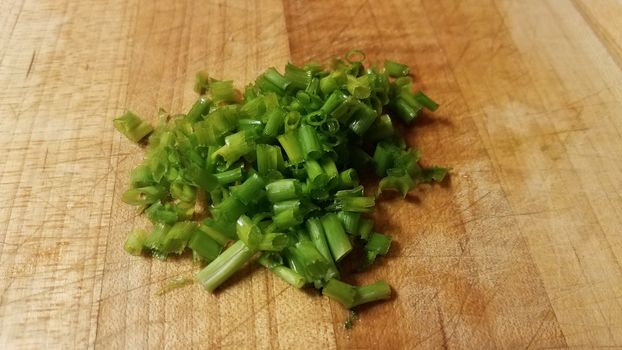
(522, 249)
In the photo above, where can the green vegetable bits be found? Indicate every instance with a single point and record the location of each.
(277, 167)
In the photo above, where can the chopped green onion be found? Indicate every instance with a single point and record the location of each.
(143, 195)
(248, 232)
(381, 129)
(309, 142)
(341, 292)
(201, 83)
(273, 241)
(350, 221)
(395, 69)
(274, 123)
(298, 78)
(282, 190)
(372, 292)
(224, 266)
(273, 76)
(355, 204)
(348, 178)
(358, 87)
(229, 176)
(250, 190)
(204, 246)
(365, 228)
(425, 101)
(132, 127)
(336, 237)
(198, 109)
(291, 145)
(135, 241)
(176, 238)
(269, 158)
(273, 172)
(287, 218)
(222, 91)
(236, 146)
(287, 274)
(220, 231)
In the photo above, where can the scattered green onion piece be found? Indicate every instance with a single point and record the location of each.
(229, 176)
(363, 119)
(222, 91)
(274, 123)
(348, 179)
(285, 205)
(333, 102)
(365, 228)
(309, 142)
(350, 221)
(434, 173)
(224, 266)
(273, 76)
(358, 87)
(236, 146)
(283, 190)
(198, 109)
(298, 78)
(219, 230)
(273, 241)
(381, 129)
(135, 241)
(201, 82)
(290, 143)
(378, 243)
(250, 190)
(398, 180)
(341, 292)
(336, 237)
(143, 195)
(285, 273)
(395, 69)
(176, 238)
(248, 232)
(425, 101)
(355, 204)
(287, 218)
(372, 292)
(158, 212)
(204, 246)
(316, 175)
(132, 127)
(229, 209)
(316, 118)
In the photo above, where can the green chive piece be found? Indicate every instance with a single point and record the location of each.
(290, 143)
(135, 242)
(203, 246)
(224, 266)
(285, 273)
(395, 69)
(198, 109)
(341, 292)
(372, 292)
(283, 190)
(132, 127)
(336, 237)
(309, 142)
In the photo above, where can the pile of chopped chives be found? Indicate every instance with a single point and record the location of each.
(277, 173)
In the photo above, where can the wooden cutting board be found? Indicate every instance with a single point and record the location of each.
(523, 248)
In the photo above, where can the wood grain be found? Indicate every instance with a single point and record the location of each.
(522, 249)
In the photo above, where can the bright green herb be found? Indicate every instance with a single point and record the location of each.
(276, 169)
